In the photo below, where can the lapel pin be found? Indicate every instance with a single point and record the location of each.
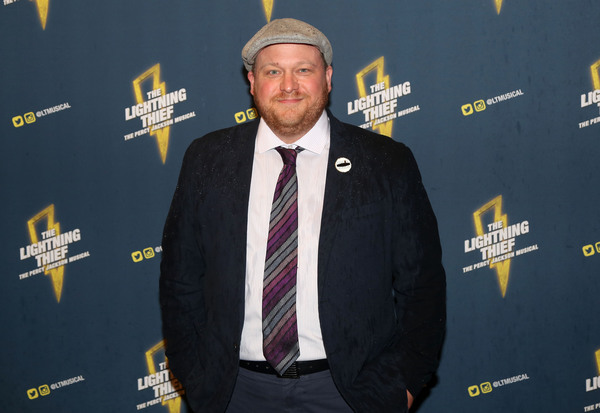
(343, 165)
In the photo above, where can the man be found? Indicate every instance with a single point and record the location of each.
(359, 262)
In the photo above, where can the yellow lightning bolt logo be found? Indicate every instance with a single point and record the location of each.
(498, 5)
(595, 69)
(56, 274)
(162, 135)
(42, 7)
(502, 267)
(268, 8)
(384, 128)
(598, 360)
(173, 405)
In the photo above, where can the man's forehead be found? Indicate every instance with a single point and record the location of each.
(275, 53)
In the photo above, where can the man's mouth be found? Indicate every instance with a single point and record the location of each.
(289, 99)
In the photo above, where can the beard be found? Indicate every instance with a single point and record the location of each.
(293, 123)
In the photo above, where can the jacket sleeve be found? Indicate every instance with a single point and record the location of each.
(419, 288)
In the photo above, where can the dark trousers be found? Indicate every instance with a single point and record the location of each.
(312, 393)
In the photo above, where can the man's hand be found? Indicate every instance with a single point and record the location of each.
(410, 398)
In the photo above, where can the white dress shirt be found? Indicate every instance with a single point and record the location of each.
(311, 168)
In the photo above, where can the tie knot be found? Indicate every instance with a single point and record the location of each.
(288, 154)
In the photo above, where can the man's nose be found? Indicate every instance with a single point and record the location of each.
(289, 83)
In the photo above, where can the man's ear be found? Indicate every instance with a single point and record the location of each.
(251, 79)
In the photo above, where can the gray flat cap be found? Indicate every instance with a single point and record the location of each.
(286, 31)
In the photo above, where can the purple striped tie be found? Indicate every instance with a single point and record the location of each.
(280, 332)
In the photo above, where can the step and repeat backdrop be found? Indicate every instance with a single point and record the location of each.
(498, 99)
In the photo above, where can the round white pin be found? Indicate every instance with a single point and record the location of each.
(343, 165)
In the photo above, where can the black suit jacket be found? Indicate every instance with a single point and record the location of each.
(380, 277)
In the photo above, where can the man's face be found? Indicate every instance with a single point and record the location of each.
(291, 86)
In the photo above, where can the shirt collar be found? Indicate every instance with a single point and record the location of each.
(314, 140)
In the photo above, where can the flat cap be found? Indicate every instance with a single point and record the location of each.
(286, 31)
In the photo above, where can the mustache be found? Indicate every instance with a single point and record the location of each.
(292, 95)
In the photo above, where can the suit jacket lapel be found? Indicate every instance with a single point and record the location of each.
(336, 199)
(242, 158)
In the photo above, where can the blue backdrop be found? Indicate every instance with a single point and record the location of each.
(498, 99)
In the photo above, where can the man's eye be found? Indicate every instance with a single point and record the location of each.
(272, 72)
